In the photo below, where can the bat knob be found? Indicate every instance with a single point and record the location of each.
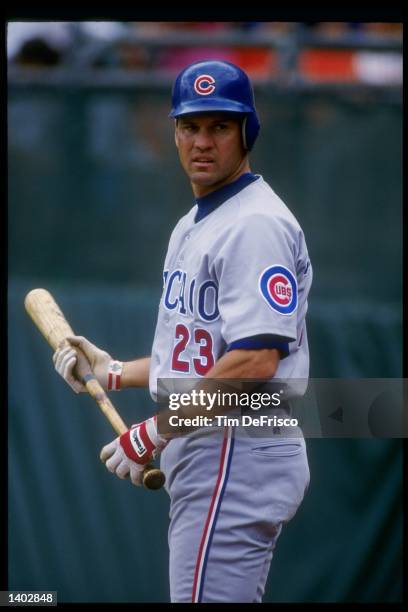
(153, 478)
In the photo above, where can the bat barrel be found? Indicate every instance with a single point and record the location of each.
(47, 316)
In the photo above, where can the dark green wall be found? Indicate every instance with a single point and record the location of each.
(94, 191)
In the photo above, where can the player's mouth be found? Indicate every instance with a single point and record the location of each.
(203, 165)
(203, 161)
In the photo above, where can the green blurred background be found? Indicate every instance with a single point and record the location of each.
(95, 189)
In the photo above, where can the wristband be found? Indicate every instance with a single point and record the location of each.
(114, 375)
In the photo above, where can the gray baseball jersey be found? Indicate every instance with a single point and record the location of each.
(236, 275)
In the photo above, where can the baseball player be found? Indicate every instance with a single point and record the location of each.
(235, 284)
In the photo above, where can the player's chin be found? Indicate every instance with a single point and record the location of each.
(203, 177)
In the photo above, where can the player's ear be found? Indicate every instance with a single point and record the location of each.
(176, 140)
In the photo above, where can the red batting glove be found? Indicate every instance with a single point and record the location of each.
(128, 454)
(142, 442)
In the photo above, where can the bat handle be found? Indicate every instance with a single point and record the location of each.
(153, 478)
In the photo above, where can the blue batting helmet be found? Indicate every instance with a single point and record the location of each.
(216, 86)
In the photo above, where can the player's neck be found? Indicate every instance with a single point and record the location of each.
(200, 191)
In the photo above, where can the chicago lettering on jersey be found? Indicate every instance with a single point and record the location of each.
(181, 294)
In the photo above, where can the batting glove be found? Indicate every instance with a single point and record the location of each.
(106, 370)
(128, 454)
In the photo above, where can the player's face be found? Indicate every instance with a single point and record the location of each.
(211, 151)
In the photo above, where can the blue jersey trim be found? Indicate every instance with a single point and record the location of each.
(213, 200)
(261, 341)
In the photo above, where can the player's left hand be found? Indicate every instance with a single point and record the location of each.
(129, 453)
(118, 463)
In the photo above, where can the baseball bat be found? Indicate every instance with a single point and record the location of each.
(49, 319)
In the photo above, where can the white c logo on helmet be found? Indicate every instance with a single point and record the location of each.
(204, 84)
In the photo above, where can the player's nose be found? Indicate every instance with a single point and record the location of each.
(203, 139)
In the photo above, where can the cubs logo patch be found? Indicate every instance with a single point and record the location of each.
(204, 84)
(278, 286)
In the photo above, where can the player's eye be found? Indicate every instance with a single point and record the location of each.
(188, 128)
(220, 127)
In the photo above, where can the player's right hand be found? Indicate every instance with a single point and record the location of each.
(129, 454)
(102, 364)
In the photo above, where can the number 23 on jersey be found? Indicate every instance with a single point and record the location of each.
(185, 343)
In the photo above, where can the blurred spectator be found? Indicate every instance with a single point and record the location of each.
(328, 28)
(385, 29)
(37, 52)
(38, 43)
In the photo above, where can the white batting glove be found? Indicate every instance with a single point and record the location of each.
(64, 362)
(128, 454)
(106, 370)
(117, 462)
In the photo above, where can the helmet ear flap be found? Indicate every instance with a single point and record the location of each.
(250, 130)
(243, 129)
